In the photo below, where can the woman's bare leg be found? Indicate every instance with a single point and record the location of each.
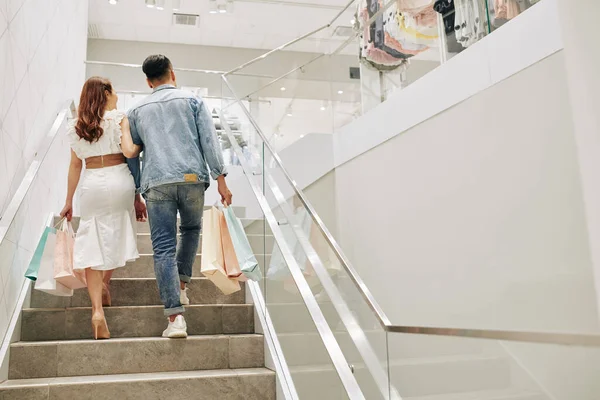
(106, 277)
(95, 285)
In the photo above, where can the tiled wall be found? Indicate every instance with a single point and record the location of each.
(42, 53)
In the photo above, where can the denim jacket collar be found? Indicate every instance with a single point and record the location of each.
(162, 87)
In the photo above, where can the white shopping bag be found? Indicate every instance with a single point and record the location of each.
(45, 281)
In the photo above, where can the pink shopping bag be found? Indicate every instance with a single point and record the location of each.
(63, 259)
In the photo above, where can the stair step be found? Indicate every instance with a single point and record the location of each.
(132, 356)
(39, 324)
(251, 226)
(143, 267)
(260, 244)
(233, 384)
(139, 292)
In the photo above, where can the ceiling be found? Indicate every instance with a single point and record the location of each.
(258, 24)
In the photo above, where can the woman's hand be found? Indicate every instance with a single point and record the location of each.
(141, 212)
(67, 212)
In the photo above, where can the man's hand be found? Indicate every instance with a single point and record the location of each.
(226, 196)
(141, 213)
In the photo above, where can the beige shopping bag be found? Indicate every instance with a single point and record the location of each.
(63, 259)
(232, 265)
(213, 259)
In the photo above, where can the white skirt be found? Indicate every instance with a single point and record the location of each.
(107, 237)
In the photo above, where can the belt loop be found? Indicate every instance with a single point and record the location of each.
(102, 158)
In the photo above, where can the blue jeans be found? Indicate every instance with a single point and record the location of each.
(172, 262)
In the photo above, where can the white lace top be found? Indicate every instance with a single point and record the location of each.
(109, 143)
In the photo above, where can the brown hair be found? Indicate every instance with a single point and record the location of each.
(92, 106)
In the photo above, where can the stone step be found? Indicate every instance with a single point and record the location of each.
(252, 226)
(40, 324)
(233, 384)
(139, 292)
(260, 244)
(143, 267)
(134, 356)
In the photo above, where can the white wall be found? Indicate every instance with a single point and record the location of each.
(42, 49)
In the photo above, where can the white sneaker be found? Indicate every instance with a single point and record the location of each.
(183, 297)
(176, 329)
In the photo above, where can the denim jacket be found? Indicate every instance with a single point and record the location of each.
(179, 140)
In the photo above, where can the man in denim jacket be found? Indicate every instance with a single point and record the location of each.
(179, 140)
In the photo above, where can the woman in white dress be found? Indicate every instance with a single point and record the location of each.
(106, 238)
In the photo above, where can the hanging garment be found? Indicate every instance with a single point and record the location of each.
(413, 6)
(512, 9)
(447, 10)
(384, 45)
(469, 23)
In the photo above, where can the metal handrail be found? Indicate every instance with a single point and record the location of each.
(7, 218)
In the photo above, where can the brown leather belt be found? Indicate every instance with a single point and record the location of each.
(109, 160)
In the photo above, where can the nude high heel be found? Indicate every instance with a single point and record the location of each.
(100, 328)
(106, 299)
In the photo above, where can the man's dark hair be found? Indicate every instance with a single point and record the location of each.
(157, 67)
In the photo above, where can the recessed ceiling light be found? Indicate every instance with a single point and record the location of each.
(289, 112)
(113, 2)
(282, 89)
(160, 5)
(352, 21)
(340, 92)
(323, 108)
(301, 136)
(150, 3)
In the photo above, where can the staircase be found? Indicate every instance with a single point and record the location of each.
(223, 358)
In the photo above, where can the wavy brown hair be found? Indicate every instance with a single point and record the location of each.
(92, 106)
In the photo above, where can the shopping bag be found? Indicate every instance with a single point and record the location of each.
(45, 277)
(63, 259)
(232, 266)
(34, 265)
(213, 262)
(246, 258)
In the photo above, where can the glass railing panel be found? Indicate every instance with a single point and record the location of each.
(354, 325)
(313, 373)
(455, 368)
